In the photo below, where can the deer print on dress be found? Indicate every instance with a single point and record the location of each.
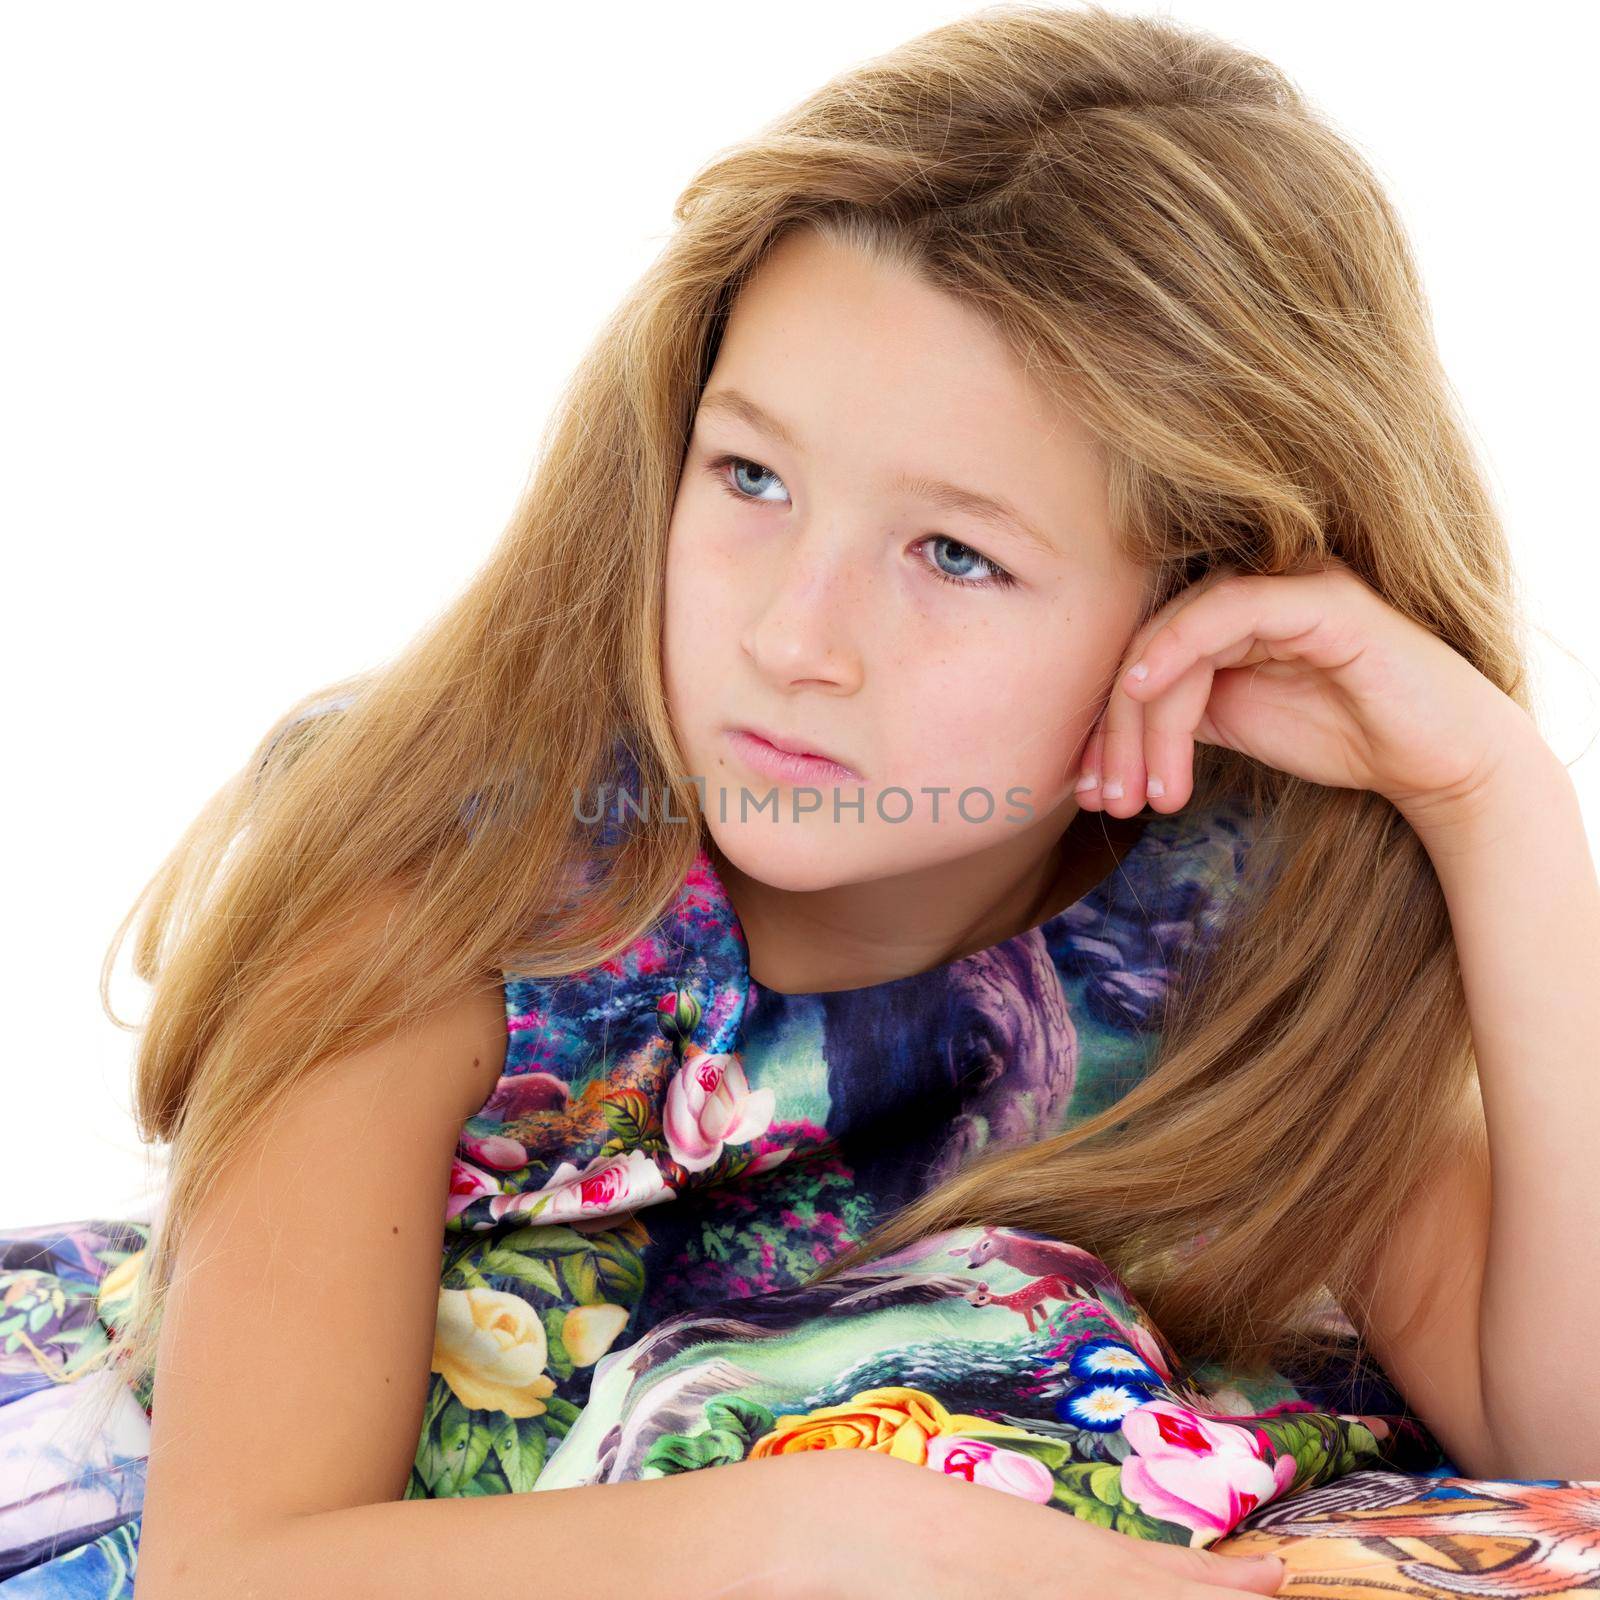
(1027, 1301)
(1086, 1273)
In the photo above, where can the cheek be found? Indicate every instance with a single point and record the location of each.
(952, 712)
(695, 613)
(701, 567)
(998, 713)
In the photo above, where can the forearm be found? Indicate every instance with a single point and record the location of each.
(716, 1533)
(1519, 880)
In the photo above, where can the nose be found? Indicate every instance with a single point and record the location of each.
(806, 630)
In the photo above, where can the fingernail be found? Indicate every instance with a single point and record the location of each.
(1155, 788)
(1112, 789)
(1088, 780)
(1138, 671)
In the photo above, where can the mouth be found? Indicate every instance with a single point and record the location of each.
(791, 758)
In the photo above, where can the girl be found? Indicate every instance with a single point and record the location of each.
(1007, 592)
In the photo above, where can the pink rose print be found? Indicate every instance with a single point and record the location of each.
(608, 1184)
(518, 1094)
(1206, 1476)
(467, 1182)
(496, 1150)
(978, 1461)
(709, 1104)
(768, 1159)
(1149, 1349)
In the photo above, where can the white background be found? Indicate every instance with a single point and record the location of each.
(288, 292)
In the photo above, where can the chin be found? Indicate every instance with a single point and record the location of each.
(789, 856)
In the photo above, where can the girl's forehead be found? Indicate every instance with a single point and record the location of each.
(849, 374)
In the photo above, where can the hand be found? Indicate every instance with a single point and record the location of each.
(1312, 673)
(871, 1525)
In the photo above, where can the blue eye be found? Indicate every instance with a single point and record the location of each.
(719, 470)
(994, 576)
(997, 578)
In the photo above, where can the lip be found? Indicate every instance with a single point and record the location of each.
(788, 758)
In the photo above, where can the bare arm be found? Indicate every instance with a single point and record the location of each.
(294, 1366)
(1518, 876)
(717, 1532)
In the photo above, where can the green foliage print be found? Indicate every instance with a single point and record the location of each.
(732, 1425)
(553, 1271)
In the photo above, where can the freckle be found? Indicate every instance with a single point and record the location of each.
(394, 1230)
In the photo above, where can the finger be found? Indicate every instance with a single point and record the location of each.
(1093, 772)
(1210, 1567)
(1122, 774)
(1088, 784)
(1170, 721)
(1250, 1575)
(1242, 621)
(1198, 1573)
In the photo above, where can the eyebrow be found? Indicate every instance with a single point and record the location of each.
(936, 491)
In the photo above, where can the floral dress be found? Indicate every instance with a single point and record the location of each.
(636, 1209)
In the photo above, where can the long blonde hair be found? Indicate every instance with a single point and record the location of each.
(1159, 223)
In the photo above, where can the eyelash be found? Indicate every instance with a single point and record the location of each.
(999, 578)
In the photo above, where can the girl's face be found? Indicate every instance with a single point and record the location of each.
(824, 590)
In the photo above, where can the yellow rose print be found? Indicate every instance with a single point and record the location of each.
(588, 1331)
(490, 1347)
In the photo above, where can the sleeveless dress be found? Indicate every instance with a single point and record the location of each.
(635, 1210)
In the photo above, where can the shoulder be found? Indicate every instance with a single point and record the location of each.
(461, 1039)
(471, 1032)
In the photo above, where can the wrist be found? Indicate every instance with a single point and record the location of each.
(1497, 802)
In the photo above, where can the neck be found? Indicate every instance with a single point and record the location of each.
(855, 935)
